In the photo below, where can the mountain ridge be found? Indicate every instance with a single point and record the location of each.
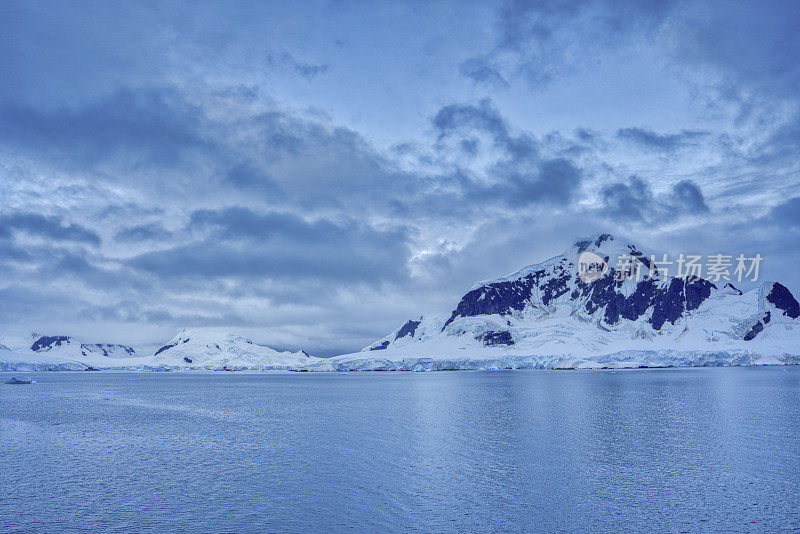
(564, 312)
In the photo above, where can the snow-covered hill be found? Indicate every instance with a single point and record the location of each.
(189, 350)
(547, 315)
(204, 349)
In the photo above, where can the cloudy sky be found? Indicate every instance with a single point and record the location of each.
(314, 174)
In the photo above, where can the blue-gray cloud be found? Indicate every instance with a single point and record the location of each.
(142, 232)
(484, 116)
(627, 200)
(482, 71)
(242, 243)
(309, 71)
(522, 177)
(786, 214)
(464, 119)
(661, 142)
(687, 197)
(551, 38)
(755, 45)
(554, 181)
(49, 227)
(153, 124)
(634, 200)
(252, 177)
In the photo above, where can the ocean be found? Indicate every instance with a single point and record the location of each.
(679, 450)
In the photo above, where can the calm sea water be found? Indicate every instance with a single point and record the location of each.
(656, 450)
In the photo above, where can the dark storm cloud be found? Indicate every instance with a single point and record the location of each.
(238, 242)
(78, 265)
(49, 227)
(554, 181)
(636, 201)
(661, 142)
(523, 20)
(470, 146)
(156, 124)
(12, 253)
(237, 223)
(84, 271)
(481, 70)
(312, 163)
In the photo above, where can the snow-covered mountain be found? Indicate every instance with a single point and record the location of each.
(204, 349)
(201, 349)
(67, 346)
(43, 352)
(549, 315)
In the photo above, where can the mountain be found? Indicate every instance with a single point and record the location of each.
(580, 309)
(65, 345)
(199, 349)
(559, 313)
(204, 349)
(60, 353)
(12, 359)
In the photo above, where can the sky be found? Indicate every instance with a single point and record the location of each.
(314, 174)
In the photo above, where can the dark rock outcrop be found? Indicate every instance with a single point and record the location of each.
(491, 339)
(408, 329)
(165, 347)
(48, 342)
(780, 297)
